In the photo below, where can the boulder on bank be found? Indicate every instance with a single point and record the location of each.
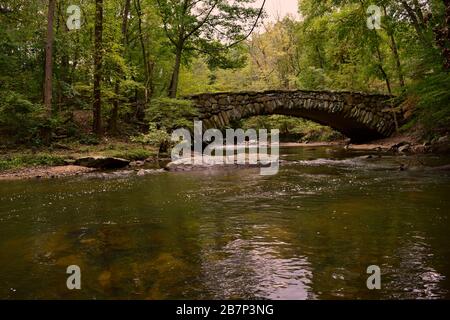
(401, 147)
(102, 162)
(441, 146)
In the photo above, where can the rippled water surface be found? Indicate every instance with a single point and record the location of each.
(309, 232)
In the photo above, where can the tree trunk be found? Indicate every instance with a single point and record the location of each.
(394, 49)
(64, 69)
(75, 58)
(446, 50)
(398, 63)
(115, 109)
(416, 23)
(319, 55)
(388, 83)
(147, 64)
(442, 36)
(49, 58)
(126, 12)
(175, 75)
(418, 11)
(98, 57)
(383, 72)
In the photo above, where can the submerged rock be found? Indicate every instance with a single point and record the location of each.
(188, 164)
(102, 162)
(401, 147)
(135, 164)
(110, 175)
(404, 149)
(144, 172)
(441, 168)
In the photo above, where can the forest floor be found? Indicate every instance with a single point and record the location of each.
(55, 162)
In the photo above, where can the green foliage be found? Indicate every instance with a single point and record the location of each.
(21, 119)
(155, 137)
(170, 114)
(214, 28)
(208, 26)
(434, 101)
(89, 139)
(134, 154)
(330, 48)
(321, 134)
(292, 128)
(28, 160)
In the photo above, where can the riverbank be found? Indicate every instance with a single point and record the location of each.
(397, 144)
(58, 162)
(44, 172)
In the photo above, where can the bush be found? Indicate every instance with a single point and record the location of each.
(89, 139)
(433, 107)
(171, 114)
(30, 161)
(156, 137)
(292, 128)
(323, 134)
(23, 121)
(134, 154)
(19, 118)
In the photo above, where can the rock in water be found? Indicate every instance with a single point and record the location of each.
(102, 162)
(442, 168)
(404, 149)
(209, 163)
(402, 145)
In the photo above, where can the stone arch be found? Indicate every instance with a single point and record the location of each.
(361, 117)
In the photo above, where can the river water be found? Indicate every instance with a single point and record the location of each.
(309, 232)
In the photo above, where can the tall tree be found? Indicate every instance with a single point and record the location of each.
(49, 57)
(389, 27)
(442, 35)
(148, 65)
(208, 26)
(98, 56)
(124, 30)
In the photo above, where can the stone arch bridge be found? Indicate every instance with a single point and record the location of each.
(361, 117)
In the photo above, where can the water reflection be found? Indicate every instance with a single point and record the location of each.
(308, 233)
(413, 276)
(255, 263)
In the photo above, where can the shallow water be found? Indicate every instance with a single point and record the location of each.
(309, 232)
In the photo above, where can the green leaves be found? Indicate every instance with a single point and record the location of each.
(20, 118)
(208, 27)
(170, 114)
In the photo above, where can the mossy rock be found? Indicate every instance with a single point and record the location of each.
(102, 162)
